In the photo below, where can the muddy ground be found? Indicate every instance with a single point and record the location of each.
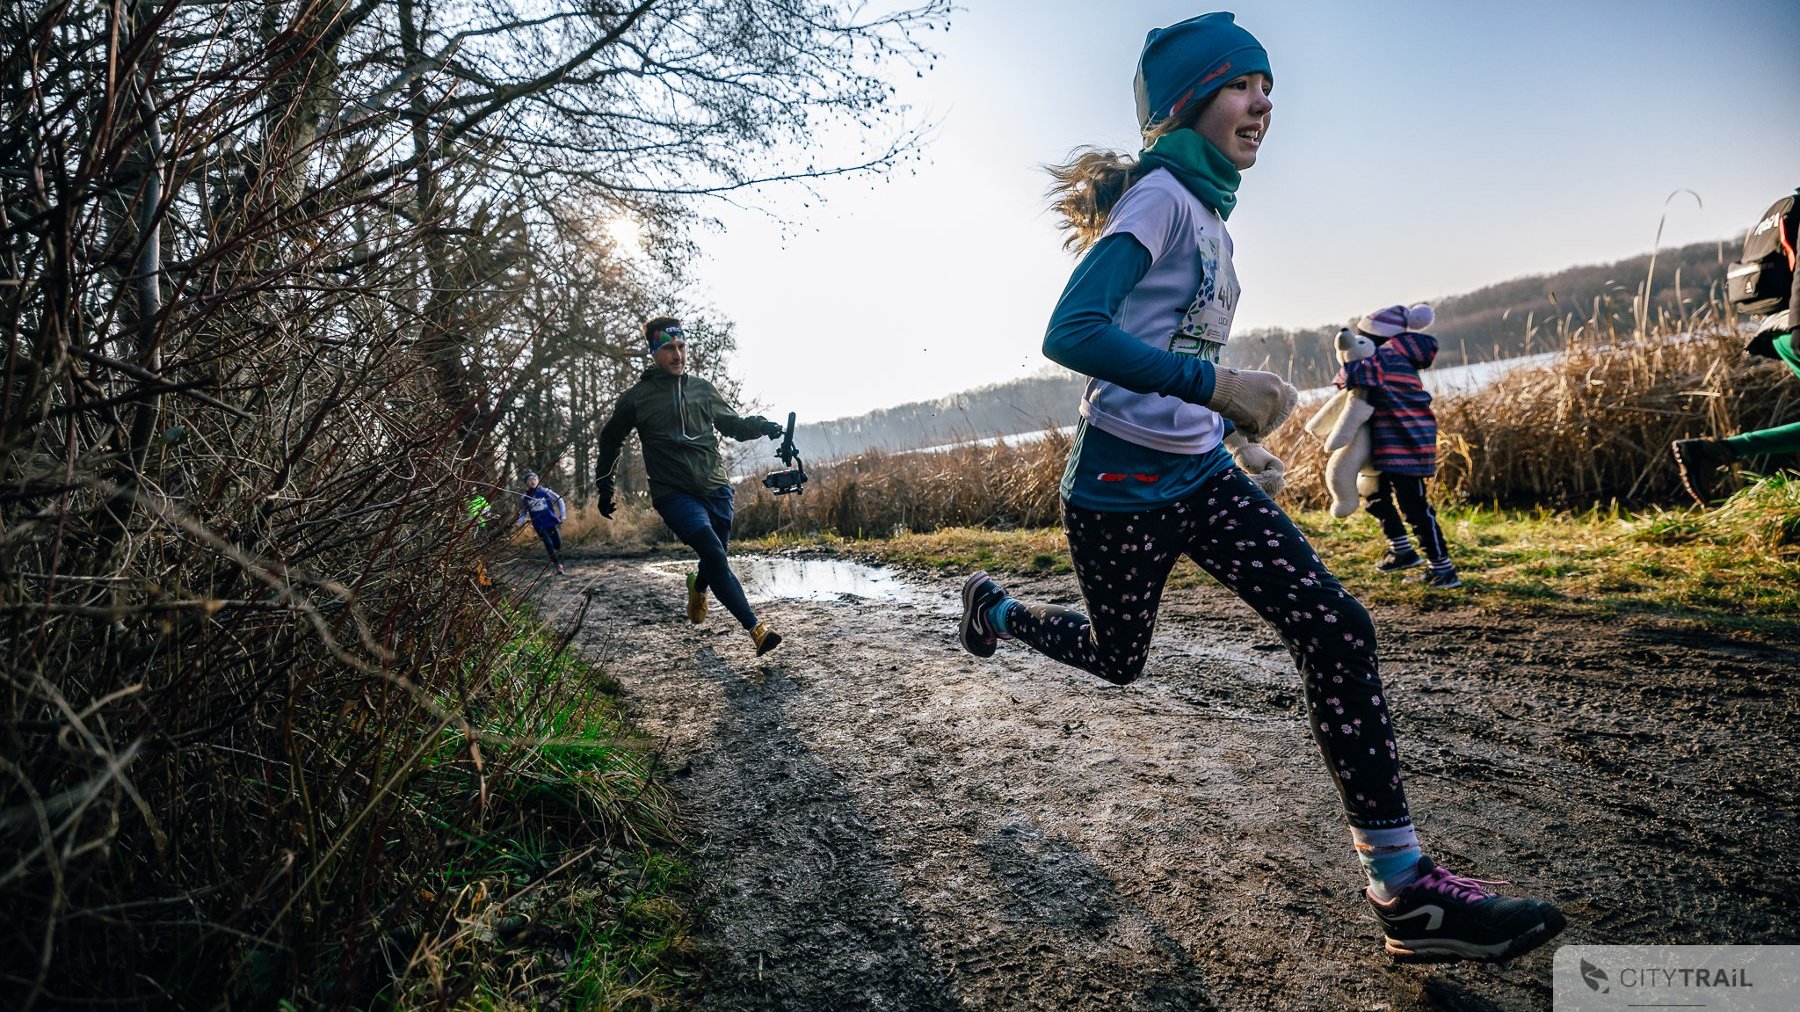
(881, 821)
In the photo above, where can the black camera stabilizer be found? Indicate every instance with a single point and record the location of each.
(792, 479)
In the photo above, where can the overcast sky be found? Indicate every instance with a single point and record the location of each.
(1417, 149)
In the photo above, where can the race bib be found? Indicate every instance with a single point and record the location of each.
(1206, 325)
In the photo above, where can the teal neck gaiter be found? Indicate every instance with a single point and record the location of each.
(1200, 166)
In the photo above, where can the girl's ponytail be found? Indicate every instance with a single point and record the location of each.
(1085, 189)
(1093, 179)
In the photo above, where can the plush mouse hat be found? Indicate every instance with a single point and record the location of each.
(1392, 321)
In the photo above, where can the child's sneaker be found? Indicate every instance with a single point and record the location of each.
(696, 602)
(979, 594)
(766, 638)
(1438, 577)
(1442, 917)
(1393, 561)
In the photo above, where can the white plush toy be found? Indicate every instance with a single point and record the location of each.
(1343, 423)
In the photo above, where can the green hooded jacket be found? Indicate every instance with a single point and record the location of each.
(676, 418)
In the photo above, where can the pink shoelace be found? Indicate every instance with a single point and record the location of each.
(1468, 890)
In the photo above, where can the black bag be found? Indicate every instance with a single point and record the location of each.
(1762, 279)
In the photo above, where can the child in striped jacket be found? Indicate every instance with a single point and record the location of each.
(1404, 437)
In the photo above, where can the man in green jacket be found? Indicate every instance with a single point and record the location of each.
(675, 415)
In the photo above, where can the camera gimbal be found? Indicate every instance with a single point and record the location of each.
(792, 479)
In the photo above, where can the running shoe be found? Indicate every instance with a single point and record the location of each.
(1699, 461)
(1443, 917)
(1393, 561)
(766, 638)
(1437, 579)
(979, 594)
(696, 603)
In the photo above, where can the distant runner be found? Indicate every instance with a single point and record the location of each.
(1165, 463)
(676, 415)
(546, 511)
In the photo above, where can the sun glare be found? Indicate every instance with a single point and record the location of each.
(626, 232)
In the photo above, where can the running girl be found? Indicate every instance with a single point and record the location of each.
(1149, 478)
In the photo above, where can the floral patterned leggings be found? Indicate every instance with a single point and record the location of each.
(1236, 533)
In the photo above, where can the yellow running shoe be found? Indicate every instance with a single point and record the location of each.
(766, 639)
(696, 600)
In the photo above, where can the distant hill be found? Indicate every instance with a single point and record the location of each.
(1035, 402)
(1511, 318)
(1500, 321)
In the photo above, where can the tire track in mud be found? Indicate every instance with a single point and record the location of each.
(882, 821)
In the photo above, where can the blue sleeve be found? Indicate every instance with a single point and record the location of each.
(1082, 336)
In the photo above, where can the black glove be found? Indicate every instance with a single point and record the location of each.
(774, 430)
(607, 506)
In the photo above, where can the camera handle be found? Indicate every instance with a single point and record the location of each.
(786, 450)
(789, 454)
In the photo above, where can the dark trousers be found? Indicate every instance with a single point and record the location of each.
(1237, 534)
(552, 539)
(703, 523)
(1398, 495)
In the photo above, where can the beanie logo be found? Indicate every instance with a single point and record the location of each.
(1175, 110)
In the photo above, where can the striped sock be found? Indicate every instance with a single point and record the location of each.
(1400, 545)
(1390, 857)
(1442, 566)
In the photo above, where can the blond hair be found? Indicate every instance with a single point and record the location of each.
(1093, 179)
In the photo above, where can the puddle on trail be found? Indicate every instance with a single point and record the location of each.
(766, 578)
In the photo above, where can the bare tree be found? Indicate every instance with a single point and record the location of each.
(271, 276)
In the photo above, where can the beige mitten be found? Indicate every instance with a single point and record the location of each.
(1256, 402)
(1263, 467)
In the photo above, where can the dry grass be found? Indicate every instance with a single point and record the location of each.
(879, 494)
(1593, 426)
(633, 527)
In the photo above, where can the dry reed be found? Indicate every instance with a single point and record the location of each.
(1593, 426)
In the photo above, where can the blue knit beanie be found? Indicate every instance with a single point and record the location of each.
(1190, 60)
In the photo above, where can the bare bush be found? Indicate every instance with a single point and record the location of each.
(273, 275)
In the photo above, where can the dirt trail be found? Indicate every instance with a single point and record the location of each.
(884, 822)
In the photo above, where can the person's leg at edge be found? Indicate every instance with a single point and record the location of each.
(1400, 553)
(1699, 460)
(1779, 438)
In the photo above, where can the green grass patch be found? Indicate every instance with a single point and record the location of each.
(575, 893)
(1735, 567)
